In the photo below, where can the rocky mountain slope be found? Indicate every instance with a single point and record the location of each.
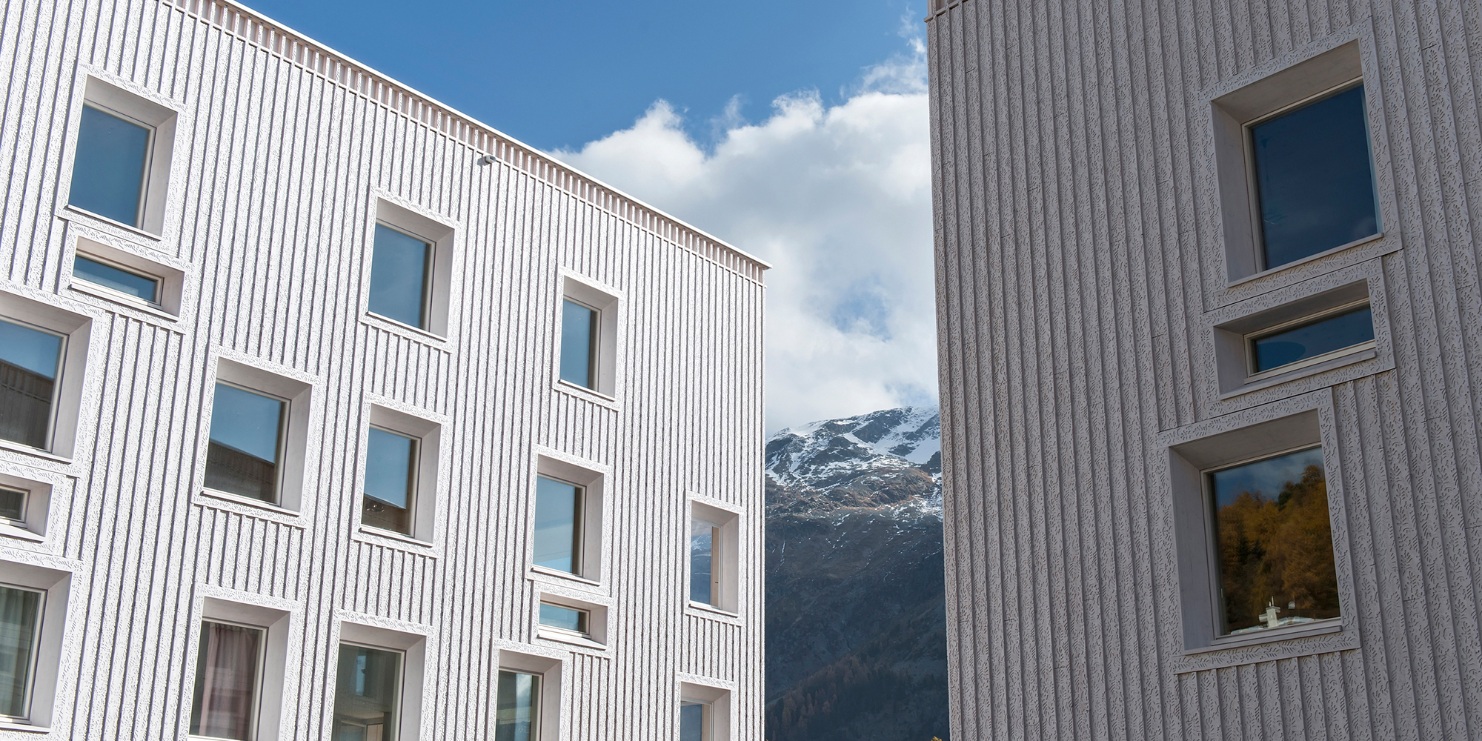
(856, 637)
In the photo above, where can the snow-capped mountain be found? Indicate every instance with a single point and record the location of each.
(856, 634)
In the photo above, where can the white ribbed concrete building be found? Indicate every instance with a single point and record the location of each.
(329, 412)
(1211, 361)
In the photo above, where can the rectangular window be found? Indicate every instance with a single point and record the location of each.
(20, 623)
(111, 166)
(694, 721)
(1273, 542)
(1313, 177)
(390, 480)
(1310, 340)
(579, 328)
(401, 277)
(518, 711)
(228, 671)
(367, 698)
(30, 362)
(115, 278)
(564, 618)
(246, 443)
(558, 525)
(12, 505)
(703, 586)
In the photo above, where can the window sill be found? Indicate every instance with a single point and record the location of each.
(586, 394)
(152, 311)
(1277, 644)
(1284, 267)
(1361, 354)
(552, 576)
(414, 334)
(11, 530)
(570, 639)
(226, 502)
(711, 612)
(388, 539)
(12, 725)
(71, 212)
(15, 447)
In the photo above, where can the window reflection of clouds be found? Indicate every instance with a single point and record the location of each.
(1265, 477)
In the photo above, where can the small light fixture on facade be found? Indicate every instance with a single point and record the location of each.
(487, 159)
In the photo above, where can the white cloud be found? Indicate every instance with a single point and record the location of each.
(838, 199)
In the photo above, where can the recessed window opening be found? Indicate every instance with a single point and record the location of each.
(559, 525)
(246, 442)
(1272, 542)
(228, 681)
(580, 325)
(1312, 176)
(401, 276)
(390, 480)
(30, 370)
(367, 698)
(13, 505)
(20, 633)
(518, 706)
(566, 619)
(704, 577)
(1311, 340)
(111, 170)
(117, 278)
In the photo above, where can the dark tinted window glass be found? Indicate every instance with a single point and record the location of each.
(518, 710)
(1275, 542)
(692, 722)
(578, 348)
(108, 176)
(399, 277)
(564, 618)
(29, 361)
(12, 504)
(226, 681)
(1311, 340)
(118, 279)
(246, 430)
(20, 611)
(702, 557)
(557, 525)
(367, 695)
(391, 461)
(1314, 179)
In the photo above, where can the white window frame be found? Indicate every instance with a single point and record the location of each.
(438, 283)
(66, 408)
(716, 697)
(423, 500)
(275, 619)
(42, 693)
(292, 438)
(36, 508)
(171, 280)
(549, 666)
(162, 122)
(725, 554)
(606, 365)
(595, 607)
(590, 479)
(1251, 338)
(371, 632)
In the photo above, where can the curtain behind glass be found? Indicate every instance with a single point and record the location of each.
(226, 681)
(20, 610)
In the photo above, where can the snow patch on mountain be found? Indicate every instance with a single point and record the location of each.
(856, 451)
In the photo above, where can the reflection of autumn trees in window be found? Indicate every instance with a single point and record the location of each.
(1277, 550)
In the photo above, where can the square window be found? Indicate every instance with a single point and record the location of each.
(228, 674)
(587, 342)
(1257, 556)
(121, 163)
(367, 697)
(1296, 174)
(258, 436)
(704, 712)
(410, 274)
(33, 617)
(527, 698)
(43, 351)
(558, 524)
(246, 442)
(713, 556)
(401, 461)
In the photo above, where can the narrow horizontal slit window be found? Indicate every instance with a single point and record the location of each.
(118, 279)
(1312, 340)
(564, 618)
(12, 504)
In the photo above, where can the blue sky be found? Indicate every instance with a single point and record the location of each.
(558, 74)
(792, 130)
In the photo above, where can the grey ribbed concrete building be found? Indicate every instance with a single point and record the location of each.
(329, 412)
(1211, 367)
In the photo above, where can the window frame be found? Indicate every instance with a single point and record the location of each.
(428, 273)
(717, 699)
(1250, 339)
(294, 451)
(549, 665)
(32, 671)
(578, 525)
(64, 417)
(413, 480)
(606, 344)
(115, 96)
(417, 657)
(440, 234)
(260, 670)
(399, 694)
(22, 522)
(280, 449)
(590, 563)
(725, 556)
(154, 301)
(275, 618)
(50, 666)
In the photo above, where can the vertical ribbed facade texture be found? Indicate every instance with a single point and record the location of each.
(1081, 279)
(282, 153)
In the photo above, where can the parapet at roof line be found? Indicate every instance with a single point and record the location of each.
(193, 7)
